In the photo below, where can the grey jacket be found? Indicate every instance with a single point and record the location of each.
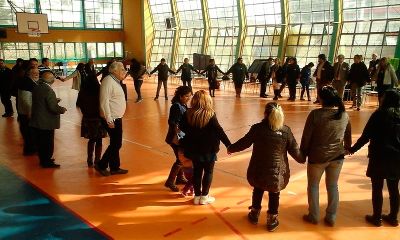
(324, 138)
(45, 109)
(343, 72)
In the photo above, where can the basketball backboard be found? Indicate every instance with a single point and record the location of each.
(32, 23)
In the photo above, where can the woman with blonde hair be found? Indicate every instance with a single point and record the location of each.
(385, 77)
(268, 168)
(201, 143)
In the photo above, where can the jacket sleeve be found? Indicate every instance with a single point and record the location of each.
(220, 132)
(105, 92)
(154, 70)
(174, 115)
(393, 76)
(51, 102)
(244, 142)
(307, 135)
(293, 148)
(367, 133)
(179, 69)
(169, 70)
(347, 136)
(72, 75)
(219, 70)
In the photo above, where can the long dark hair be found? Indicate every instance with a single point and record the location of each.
(330, 98)
(179, 92)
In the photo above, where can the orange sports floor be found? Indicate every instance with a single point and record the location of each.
(138, 206)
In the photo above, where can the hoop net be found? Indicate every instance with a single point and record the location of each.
(34, 32)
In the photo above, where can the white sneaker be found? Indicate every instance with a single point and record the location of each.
(204, 200)
(196, 200)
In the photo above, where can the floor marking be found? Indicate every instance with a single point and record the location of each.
(243, 201)
(172, 232)
(228, 224)
(199, 220)
(224, 209)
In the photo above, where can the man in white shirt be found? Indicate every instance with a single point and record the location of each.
(112, 109)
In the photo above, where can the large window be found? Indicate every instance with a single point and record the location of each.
(369, 27)
(224, 25)
(63, 13)
(68, 13)
(263, 29)
(103, 13)
(163, 37)
(7, 17)
(12, 51)
(191, 34)
(310, 29)
(60, 52)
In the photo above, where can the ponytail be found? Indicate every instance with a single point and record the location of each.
(275, 116)
(341, 108)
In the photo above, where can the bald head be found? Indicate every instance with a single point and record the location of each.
(48, 77)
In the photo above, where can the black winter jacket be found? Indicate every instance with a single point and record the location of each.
(269, 167)
(383, 134)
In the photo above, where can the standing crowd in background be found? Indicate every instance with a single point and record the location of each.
(194, 132)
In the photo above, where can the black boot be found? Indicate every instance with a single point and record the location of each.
(253, 215)
(180, 178)
(97, 153)
(90, 149)
(377, 221)
(170, 183)
(272, 222)
(392, 220)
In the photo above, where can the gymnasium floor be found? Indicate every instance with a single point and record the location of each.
(75, 202)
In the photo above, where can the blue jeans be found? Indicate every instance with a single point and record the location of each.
(314, 173)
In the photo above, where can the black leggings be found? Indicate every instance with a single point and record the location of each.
(273, 202)
(94, 145)
(138, 85)
(202, 183)
(377, 198)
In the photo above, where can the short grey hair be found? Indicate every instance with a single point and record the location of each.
(115, 66)
(340, 56)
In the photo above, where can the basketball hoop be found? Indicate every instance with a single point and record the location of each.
(34, 32)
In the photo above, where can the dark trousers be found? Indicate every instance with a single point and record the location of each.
(377, 198)
(263, 87)
(94, 145)
(292, 91)
(202, 177)
(273, 201)
(111, 155)
(188, 81)
(138, 85)
(45, 145)
(283, 85)
(164, 83)
(305, 87)
(27, 134)
(6, 101)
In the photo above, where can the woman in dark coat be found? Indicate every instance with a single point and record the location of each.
(201, 143)
(383, 134)
(91, 128)
(137, 72)
(212, 74)
(292, 77)
(176, 112)
(268, 168)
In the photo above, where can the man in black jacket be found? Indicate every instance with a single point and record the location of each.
(45, 119)
(163, 70)
(263, 76)
(6, 83)
(358, 77)
(187, 69)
